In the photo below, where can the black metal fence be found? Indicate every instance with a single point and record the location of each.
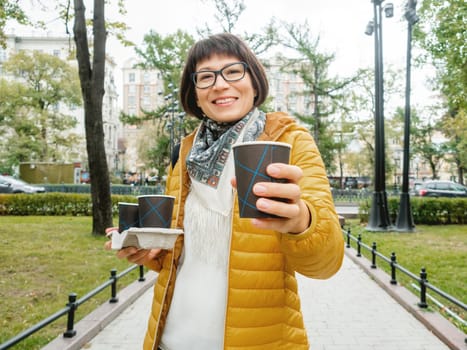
(115, 189)
(351, 195)
(72, 305)
(421, 279)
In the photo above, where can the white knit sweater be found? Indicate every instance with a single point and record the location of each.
(196, 317)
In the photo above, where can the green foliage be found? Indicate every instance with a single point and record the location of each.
(442, 34)
(325, 93)
(34, 128)
(227, 14)
(425, 211)
(10, 10)
(54, 204)
(167, 54)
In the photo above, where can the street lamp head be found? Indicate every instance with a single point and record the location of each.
(370, 27)
(411, 16)
(389, 10)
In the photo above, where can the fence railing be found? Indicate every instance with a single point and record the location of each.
(114, 189)
(421, 279)
(72, 305)
(351, 195)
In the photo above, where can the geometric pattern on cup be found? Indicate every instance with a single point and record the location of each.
(127, 216)
(154, 209)
(254, 174)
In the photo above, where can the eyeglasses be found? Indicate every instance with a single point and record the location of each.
(207, 78)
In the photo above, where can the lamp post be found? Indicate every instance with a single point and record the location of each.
(172, 107)
(404, 221)
(396, 171)
(379, 213)
(181, 115)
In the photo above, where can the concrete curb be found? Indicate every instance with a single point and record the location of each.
(88, 327)
(453, 337)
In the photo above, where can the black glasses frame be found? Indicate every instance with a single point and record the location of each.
(219, 72)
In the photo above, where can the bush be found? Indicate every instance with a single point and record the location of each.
(426, 211)
(53, 204)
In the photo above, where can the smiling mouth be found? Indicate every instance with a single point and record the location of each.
(223, 101)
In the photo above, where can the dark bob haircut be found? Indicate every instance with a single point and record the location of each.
(220, 44)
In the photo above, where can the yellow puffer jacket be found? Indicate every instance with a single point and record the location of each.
(263, 307)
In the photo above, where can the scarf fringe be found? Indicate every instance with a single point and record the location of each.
(209, 232)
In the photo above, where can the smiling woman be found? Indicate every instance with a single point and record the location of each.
(225, 268)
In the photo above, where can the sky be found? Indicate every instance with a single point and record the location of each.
(339, 23)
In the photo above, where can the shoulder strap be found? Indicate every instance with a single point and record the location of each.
(175, 154)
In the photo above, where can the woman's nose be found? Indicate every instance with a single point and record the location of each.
(220, 82)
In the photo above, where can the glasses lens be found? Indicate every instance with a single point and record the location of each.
(233, 72)
(204, 79)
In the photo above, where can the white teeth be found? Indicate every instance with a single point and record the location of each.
(224, 100)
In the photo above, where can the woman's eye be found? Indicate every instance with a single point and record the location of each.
(205, 76)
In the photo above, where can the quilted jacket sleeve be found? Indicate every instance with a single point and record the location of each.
(318, 251)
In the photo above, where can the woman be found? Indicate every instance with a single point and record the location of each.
(229, 283)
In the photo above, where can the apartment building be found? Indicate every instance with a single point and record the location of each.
(63, 47)
(142, 91)
(286, 88)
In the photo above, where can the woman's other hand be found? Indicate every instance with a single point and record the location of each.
(132, 254)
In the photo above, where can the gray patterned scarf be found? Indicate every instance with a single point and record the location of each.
(213, 143)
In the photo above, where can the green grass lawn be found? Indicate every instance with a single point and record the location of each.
(42, 260)
(441, 250)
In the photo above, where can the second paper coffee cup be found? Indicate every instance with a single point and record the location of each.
(251, 160)
(128, 216)
(155, 210)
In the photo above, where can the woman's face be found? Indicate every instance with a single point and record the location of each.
(225, 101)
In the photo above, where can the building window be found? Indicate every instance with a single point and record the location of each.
(56, 53)
(131, 77)
(2, 55)
(131, 101)
(146, 101)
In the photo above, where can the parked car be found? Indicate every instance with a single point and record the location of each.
(437, 188)
(19, 186)
(350, 182)
(417, 184)
(5, 188)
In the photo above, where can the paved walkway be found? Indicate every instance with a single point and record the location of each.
(347, 312)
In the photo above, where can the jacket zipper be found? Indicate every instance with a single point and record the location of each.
(228, 266)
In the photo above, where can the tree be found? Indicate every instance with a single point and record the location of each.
(227, 15)
(165, 54)
(360, 99)
(455, 129)
(91, 73)
(422, 134)
(10, 10)
(442, 34)
(34, 128)
(326, 93)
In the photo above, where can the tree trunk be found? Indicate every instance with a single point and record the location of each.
(92, 89)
